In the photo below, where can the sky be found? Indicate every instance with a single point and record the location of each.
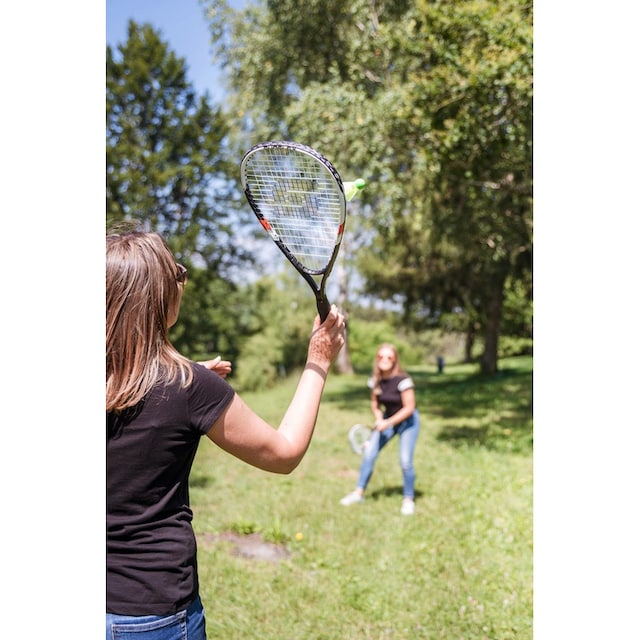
(182, 24)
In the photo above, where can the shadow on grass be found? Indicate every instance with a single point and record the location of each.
(200, 480)
(387, 492)
(495, 412)
(353, 392)
(470, 409)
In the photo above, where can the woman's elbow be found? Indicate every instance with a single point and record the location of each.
(283, 460)
(284, 466)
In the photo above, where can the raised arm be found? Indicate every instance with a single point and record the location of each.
(244, 434)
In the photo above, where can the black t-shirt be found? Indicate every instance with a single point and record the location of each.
(151, 547)
(390, 396)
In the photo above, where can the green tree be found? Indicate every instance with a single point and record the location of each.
(282, 310)
(167, 170)
(432, 103)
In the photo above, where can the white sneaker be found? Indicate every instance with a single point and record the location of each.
(408, 507)
(352, 498)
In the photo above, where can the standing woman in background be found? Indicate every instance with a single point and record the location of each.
(393, 404)
(159, 405)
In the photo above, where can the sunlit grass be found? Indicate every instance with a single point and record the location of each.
(461, 567)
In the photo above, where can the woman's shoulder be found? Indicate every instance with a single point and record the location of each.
(203, 383)
(204, 376)
(205, 387)
(404, 381)
(400, 381)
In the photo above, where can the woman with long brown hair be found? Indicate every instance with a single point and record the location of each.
(159, 405)
(393, 404)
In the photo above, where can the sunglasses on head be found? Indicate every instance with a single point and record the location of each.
(181, 276)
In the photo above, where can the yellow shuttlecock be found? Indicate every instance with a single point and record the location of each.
(351, 189)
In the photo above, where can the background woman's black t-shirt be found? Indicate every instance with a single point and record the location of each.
(151, 547)
(390, 396)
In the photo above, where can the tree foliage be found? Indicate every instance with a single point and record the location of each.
(167, 171)
(431, 101)
(281, 321)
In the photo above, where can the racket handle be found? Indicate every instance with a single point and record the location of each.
(323, 308)
(352, 189)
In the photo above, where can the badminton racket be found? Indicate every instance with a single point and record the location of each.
(300, 200)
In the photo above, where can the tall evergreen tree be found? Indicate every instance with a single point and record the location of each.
(167, 169)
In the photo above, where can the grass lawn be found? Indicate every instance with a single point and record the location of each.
(460, 568)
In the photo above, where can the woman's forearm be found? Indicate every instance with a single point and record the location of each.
(400, 416)
(299, 421)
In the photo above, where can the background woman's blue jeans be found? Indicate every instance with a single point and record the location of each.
(407, 431)
(184, 625)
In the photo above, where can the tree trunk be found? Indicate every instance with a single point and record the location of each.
(343, 360)
(469, 340)
(489, 360)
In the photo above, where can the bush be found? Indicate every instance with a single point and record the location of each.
(365, 338)
(256, 368)
(514, 346)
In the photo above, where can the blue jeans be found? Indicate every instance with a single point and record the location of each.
(185, 625)
(407, 431)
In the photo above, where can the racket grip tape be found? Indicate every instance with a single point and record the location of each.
(323, 308)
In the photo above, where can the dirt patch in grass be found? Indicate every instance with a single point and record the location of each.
(251, 546)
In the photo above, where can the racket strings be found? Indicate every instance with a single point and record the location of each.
(359, 436)
(301, 202)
